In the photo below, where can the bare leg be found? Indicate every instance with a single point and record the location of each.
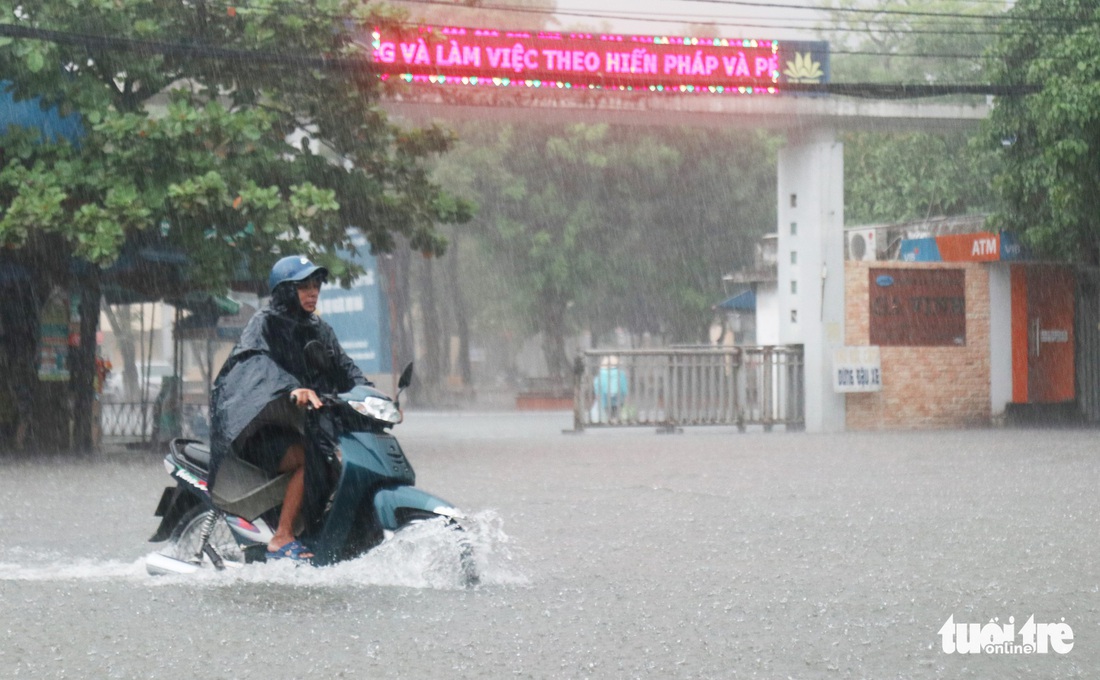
(294, 463)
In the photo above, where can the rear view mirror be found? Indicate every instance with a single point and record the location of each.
(406, 377)
(316, 357)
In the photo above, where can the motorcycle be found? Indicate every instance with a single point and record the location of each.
(372, 495)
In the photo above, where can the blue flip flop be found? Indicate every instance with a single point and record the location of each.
(291, 551)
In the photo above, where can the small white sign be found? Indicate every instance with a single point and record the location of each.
(1053, 335)
(857, 369)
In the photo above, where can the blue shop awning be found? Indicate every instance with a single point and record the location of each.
(745, 301)
(28, 113)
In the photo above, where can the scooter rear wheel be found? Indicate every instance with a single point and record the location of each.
(185, 541)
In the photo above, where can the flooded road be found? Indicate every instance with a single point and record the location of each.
(628, 554)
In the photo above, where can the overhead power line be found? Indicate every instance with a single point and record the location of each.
(1006, 17)
(881, 16)
(953, 29)
(914, 91)
(195, 51)
(868, 11)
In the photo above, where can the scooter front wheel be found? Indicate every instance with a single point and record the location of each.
(463, 545)
(467, 561)
(185, 552)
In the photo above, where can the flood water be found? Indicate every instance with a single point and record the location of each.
(628, 554)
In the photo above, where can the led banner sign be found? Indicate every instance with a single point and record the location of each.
(461, 56)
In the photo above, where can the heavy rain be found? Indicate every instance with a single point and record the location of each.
(549, 339)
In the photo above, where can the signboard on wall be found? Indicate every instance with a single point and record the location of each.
(360, 315)
(56, 324)
(982, 246)
(565, 61)
(917, 307)
(857, 369)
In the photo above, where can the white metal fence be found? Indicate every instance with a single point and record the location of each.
(690, 386)
(129, 419)
(143, 422)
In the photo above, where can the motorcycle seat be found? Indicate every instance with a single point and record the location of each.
(197, 454)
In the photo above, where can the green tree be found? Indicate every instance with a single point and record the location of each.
(540, 218)
(895, 177)
(899, 176)
(600, 227)
(231, 160)
(685, 206)
(502, 14)
(1050, 140)
(902, 41)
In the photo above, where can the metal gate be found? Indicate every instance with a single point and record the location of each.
(138, 422)
(689, 386)
(1087, 336)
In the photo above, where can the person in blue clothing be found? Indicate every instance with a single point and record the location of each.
(269, 364)
(611, 387)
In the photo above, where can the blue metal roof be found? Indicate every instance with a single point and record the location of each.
(745, 301)
(29, 113)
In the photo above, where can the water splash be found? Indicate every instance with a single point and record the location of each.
(74, 570)
(423, 556)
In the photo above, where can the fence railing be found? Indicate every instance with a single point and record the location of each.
(689, 386)
(143, 421)
(131, 419)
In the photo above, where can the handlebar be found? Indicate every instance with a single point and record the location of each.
(325, 399)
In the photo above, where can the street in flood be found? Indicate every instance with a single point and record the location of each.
(609, 554)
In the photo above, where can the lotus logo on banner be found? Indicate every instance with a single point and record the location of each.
(804, 69)
(804, 62)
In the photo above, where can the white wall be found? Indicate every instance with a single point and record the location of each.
(767, 314)
(811, 254)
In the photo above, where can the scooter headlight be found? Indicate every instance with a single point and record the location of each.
(379, 409)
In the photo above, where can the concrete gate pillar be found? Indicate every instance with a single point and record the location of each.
(810, 287)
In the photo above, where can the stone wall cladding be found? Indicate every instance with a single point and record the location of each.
(923, 387)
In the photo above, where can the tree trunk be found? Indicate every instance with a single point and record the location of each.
(553, 339)
(82, 371)
(395, 269)
(203, 356)
(20, 309)
(458, 308)
(433, 365)
(122, 326)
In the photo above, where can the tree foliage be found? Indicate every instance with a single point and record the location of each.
(539, 218)
(1050, 184)
(686, 205)
(500, 14)
(895, 177)
(933, 41)
(899, 176)
(233, 161)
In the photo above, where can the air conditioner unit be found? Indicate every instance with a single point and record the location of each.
(861, 245)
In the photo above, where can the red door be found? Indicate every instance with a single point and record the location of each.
(1042, 334)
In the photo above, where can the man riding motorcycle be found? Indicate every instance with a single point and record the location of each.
(268, 367)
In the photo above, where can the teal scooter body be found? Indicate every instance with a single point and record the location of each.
(374, 495)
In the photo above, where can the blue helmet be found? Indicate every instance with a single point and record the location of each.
(293, 268)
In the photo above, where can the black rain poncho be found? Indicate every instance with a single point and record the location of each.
(266, 365)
